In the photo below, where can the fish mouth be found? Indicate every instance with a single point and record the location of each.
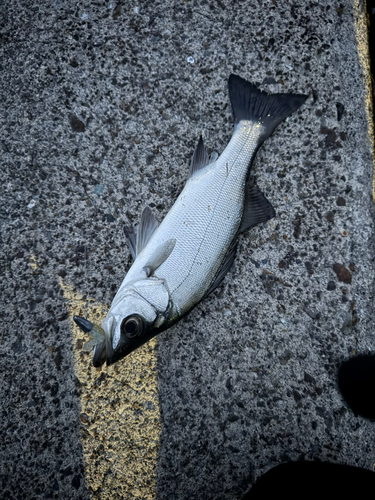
(126, 346)
(113, 355)
(100, 349)
(99, 355)
(122, 348)
(119, 353)
(109, 349)
(103, 350)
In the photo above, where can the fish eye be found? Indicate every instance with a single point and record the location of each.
(132, 326)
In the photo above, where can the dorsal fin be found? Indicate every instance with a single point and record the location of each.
(145, 229)
(256, 208)
(200, 158)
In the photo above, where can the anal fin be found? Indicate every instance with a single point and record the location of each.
(257, 208)
(226, 265)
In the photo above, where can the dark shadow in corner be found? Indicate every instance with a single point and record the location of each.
(318, 480)
(356, 381)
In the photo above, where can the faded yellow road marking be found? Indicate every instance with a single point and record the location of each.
(361, 35)
(119, 414)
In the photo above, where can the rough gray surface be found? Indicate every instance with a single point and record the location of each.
(248, 380)
(101, 109)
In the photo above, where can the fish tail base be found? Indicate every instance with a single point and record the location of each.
(251, 104)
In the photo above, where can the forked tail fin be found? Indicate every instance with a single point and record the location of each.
(251, 104)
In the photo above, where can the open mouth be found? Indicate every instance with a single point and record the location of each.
(98, 340)
(102, 342)
(99, 355)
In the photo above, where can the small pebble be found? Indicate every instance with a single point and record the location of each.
(343, 274)
(330, 217)
(331, 285)
(98, 189)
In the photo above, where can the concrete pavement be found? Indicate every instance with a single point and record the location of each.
(101, 107)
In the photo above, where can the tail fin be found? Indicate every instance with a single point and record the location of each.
(251, 104)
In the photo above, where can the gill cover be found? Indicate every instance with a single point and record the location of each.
(138, 312)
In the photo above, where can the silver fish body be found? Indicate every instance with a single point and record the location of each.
(181, 261)
(204, 221)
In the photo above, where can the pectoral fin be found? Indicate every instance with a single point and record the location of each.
(256, 209)
(214, 156)
(160, 255)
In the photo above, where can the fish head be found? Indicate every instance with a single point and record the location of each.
(128, 325)
(138, 313)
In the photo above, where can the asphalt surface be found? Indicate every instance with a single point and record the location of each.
(101, 107)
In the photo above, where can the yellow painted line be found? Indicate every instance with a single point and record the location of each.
(119, 414)
(361, 35)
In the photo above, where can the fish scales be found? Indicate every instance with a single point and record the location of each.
(204, 221)
(178, 263)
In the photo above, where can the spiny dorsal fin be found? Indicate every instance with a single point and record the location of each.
(226, 265)
(145, 229)
(161, 254)
(200, 158)
(256, 208)
(131, 238)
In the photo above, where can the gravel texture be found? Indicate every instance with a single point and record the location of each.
(101, 107)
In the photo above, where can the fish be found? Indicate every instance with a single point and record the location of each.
(178, 263)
